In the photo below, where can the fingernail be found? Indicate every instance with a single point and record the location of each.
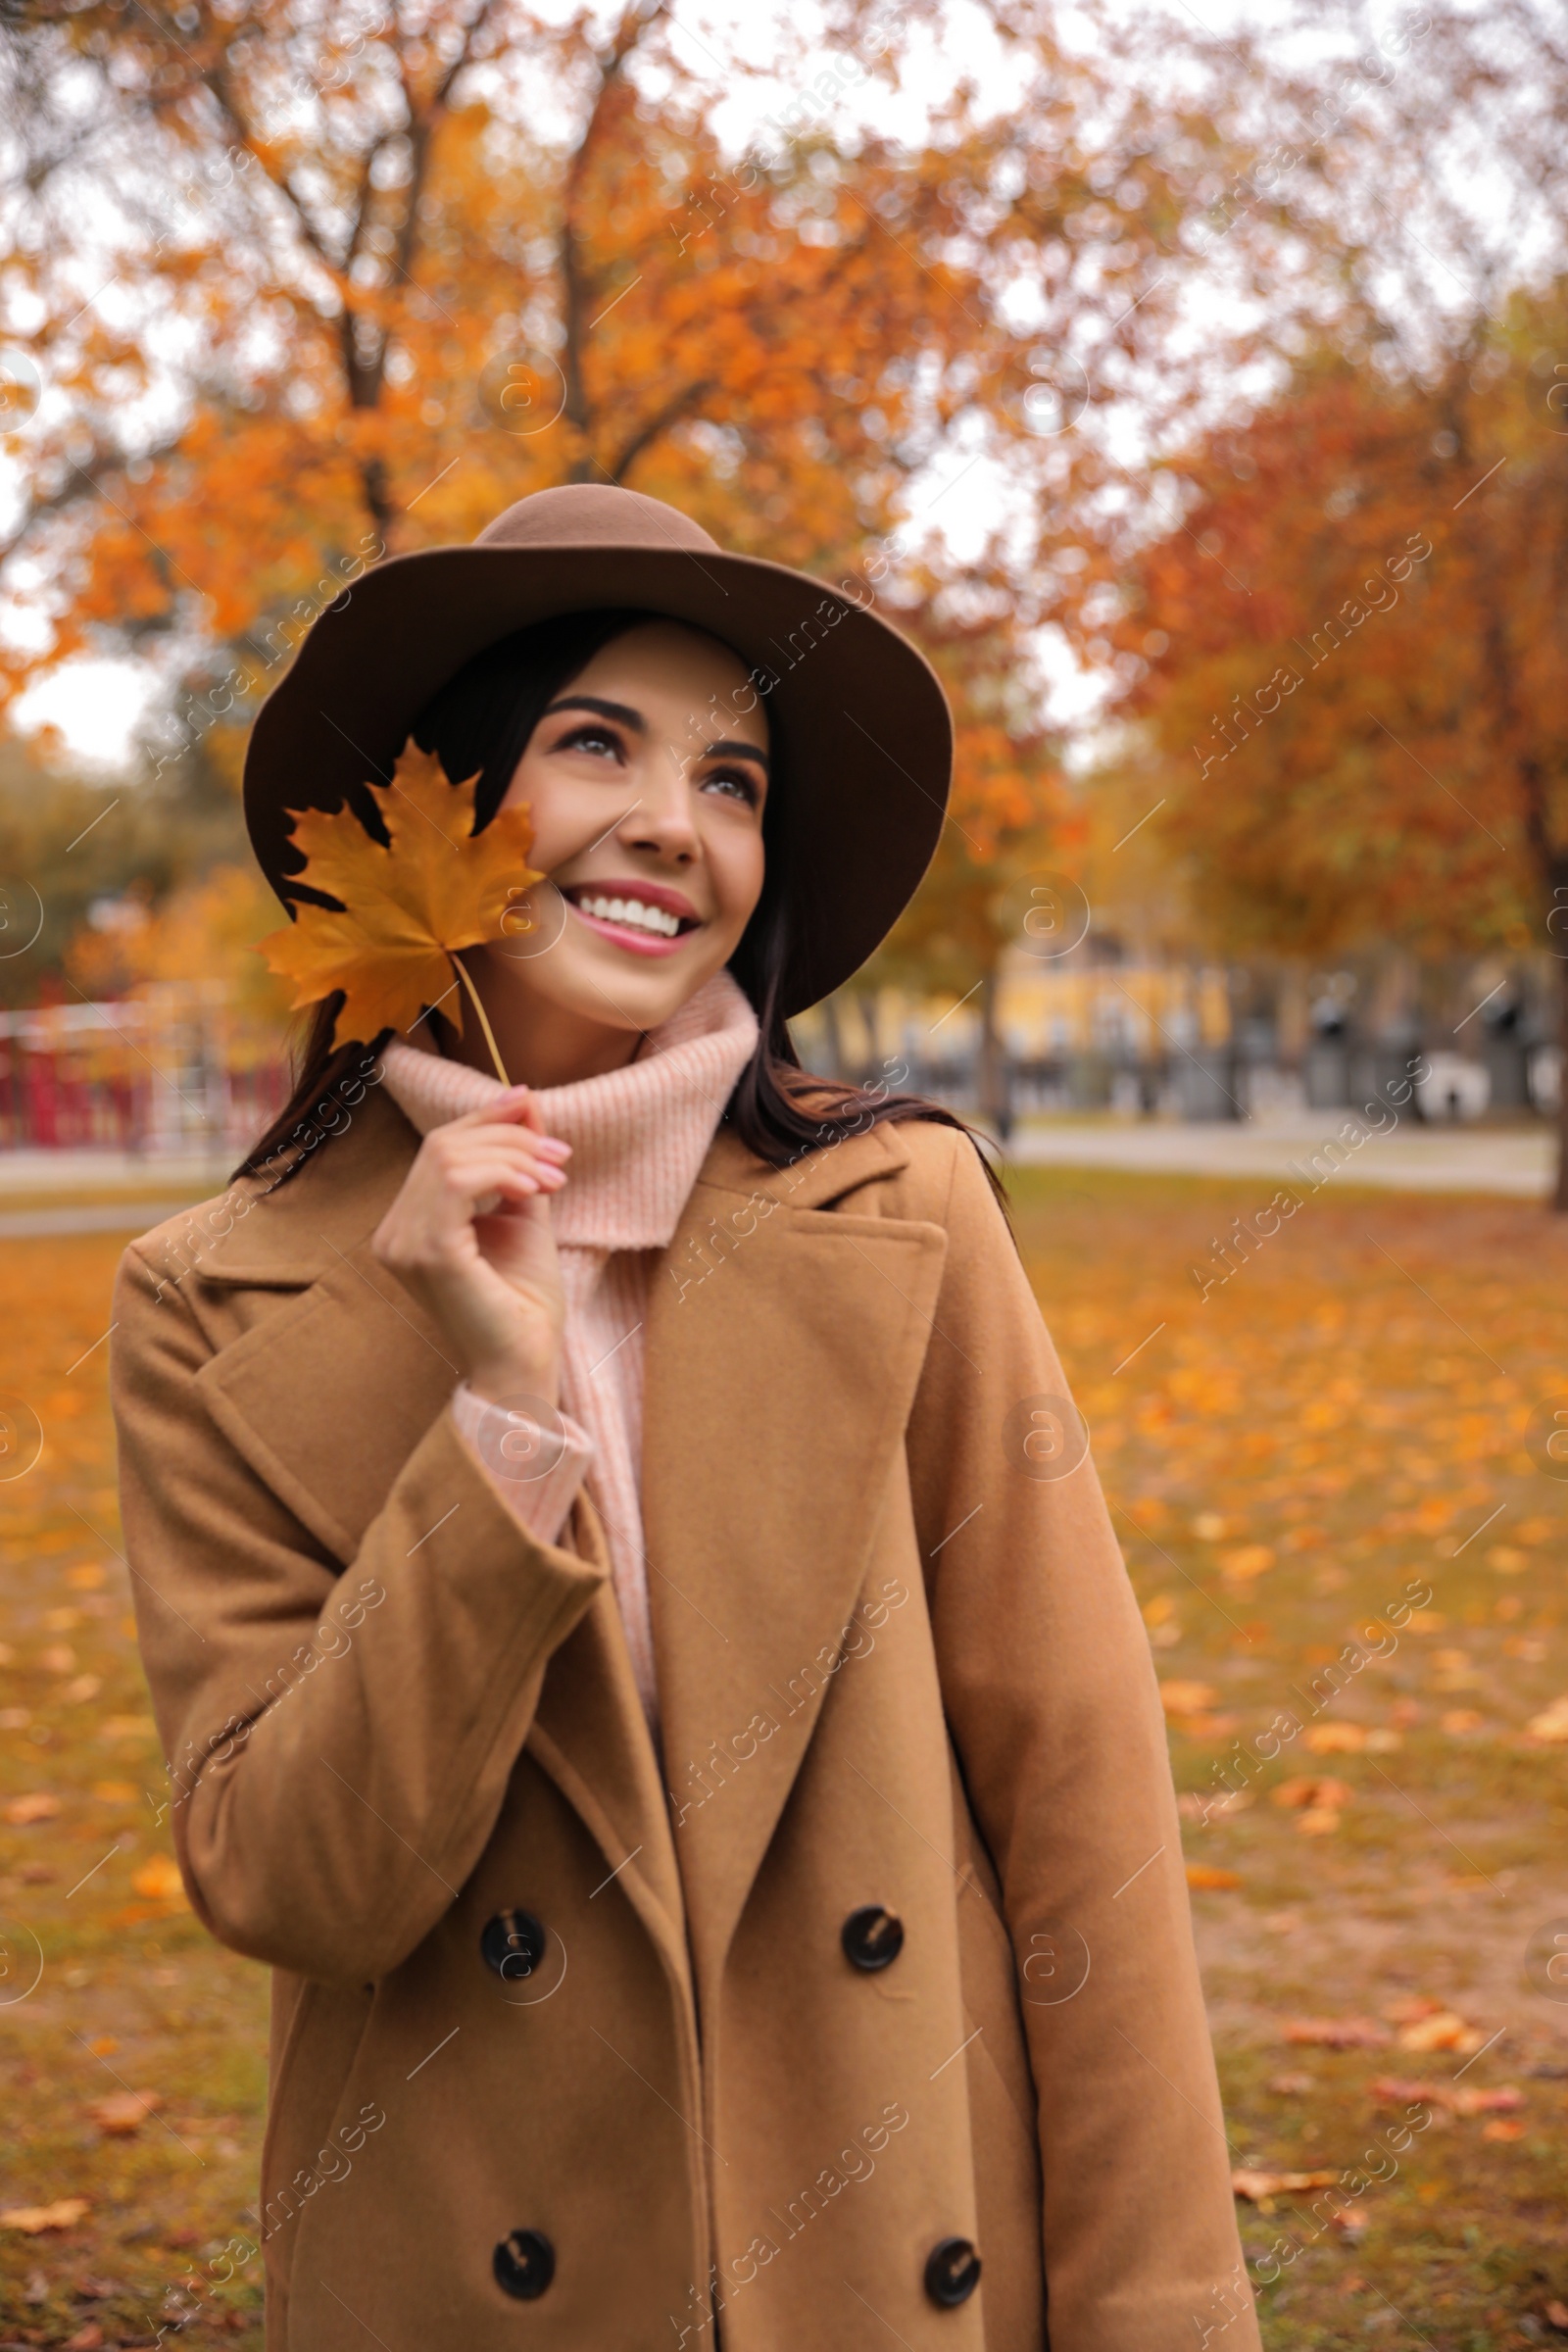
(552, 1145)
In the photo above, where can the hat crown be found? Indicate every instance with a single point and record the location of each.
(594, 514)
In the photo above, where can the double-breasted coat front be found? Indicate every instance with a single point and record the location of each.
(889, 1961)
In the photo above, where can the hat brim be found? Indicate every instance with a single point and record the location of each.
(864, 726)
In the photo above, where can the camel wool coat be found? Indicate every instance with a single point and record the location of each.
(888, 1968)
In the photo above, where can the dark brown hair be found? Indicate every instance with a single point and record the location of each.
(481, 721)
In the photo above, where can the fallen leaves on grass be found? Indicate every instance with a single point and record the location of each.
(1552, 1723)
(1555, 2315)
(22, 1811)
(159, 1882)
(1337, 2033)
(123, 2112)
(1290, 2086)
(1307, 1789)
(1187, 1698)
(1261, 2189)
(1247, 1560)
(1337, 1739)
(1444, 2030)
(86, 2339)
(128, 1727)
(1351, 1739)
(1321, 1801)
(1393, 2090)
(64, 2214)
(1211, 1879)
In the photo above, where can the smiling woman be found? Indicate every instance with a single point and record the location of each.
(644, 753)
(648, 823)
(624, 1520)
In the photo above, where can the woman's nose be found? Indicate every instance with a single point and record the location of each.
(662, 818)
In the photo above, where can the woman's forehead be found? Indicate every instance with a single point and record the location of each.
(658, 646)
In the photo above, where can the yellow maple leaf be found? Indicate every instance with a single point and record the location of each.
(405, 909)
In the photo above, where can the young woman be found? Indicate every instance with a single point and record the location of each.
(639, 1643)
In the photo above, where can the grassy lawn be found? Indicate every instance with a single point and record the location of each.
(1325, 1475)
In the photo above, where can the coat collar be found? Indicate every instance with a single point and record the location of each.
(787, 1326)
(262, 1235)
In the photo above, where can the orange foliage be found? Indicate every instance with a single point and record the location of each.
(206, 930)
(1349, 656)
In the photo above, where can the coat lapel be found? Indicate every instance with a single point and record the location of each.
(327, 1396)
(778, 1384)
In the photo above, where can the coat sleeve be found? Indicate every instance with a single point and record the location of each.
(340, 1739)
(1054, 1712)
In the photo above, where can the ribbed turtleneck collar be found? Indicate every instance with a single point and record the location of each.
(639, 1135)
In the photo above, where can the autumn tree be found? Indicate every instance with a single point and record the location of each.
(1350, 657)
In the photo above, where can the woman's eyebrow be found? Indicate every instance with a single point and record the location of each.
(734, 748)
(627, 717)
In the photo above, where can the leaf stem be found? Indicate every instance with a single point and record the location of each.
(489, 1033)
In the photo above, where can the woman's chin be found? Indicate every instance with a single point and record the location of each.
(613, 988)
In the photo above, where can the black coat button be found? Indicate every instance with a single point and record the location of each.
(952, 2272)
(873, 1937)
(514, 1943)
(525, 2264)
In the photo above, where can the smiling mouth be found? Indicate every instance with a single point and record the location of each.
(626, 913)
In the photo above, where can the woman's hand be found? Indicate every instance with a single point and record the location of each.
(470, 1237)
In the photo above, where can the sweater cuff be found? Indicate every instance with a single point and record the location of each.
(533, 1457)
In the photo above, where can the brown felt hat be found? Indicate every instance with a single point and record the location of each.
(864, 733)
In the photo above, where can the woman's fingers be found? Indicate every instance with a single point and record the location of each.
(455, 1171)
(516, 1138)
(518, 1146)
(516, 1113)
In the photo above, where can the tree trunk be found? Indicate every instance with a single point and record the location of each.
(1560, 1199)
(994, 1091)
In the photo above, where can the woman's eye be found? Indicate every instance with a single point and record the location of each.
(735, 782)
(591, 739)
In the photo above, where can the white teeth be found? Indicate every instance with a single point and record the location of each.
(633, 913)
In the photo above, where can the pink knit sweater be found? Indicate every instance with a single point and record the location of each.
(639, 1137)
